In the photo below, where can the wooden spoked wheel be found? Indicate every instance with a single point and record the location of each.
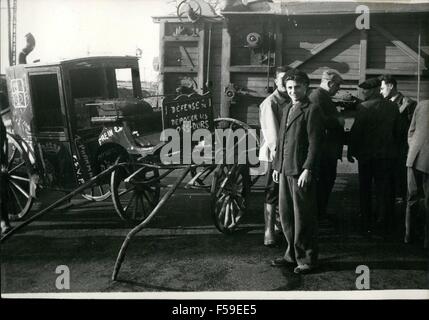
(135, 192)
(19, 179)
(101, 191)
(97, 193)
(244, 145)
(229, 196)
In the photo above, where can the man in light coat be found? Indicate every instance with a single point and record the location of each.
(270, 113)
(418, 169)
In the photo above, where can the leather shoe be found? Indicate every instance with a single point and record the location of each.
(281, 262)
(303, 269)
(270, 244)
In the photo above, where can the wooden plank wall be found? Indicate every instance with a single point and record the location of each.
(180, 62)
(384, 55)
(303, 36)
(215, 71)
(299, 41)
(174, 56)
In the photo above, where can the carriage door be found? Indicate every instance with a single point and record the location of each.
(51, 127)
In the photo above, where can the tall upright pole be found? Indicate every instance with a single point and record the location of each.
(0, 33)
(419, 59)
(9, 32)
(14, 32)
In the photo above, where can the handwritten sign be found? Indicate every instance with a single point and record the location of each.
(195, 111)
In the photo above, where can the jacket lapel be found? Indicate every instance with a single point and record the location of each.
(297, 112)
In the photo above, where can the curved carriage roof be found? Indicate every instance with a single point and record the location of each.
(87, 62)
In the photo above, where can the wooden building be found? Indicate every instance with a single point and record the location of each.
(235, 55)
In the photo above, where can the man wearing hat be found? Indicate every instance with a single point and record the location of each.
(295, 164)
(374, 142)
(332, 145)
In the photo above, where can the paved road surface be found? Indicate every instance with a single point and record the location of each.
(182, 251)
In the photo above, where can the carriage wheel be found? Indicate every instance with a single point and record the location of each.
(250, 135)
(234, 124)
(229, 196)
(134, 198)
(20, 183)
(97, 193)
(101, 191)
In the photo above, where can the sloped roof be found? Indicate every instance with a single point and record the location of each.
(323, 7)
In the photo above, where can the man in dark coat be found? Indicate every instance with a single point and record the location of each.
(374, 141)
(418, 169)
(295, 163)
(5, 226)
(332, 145)
(406, 106)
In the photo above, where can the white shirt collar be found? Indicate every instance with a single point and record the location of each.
(395, 97)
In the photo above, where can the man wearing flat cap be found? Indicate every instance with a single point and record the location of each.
(295, 164)
(374, 142)
(332, 144)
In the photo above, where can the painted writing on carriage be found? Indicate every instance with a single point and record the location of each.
(84, 159)
(108, 133)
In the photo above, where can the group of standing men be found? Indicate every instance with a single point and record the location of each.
(303, 137)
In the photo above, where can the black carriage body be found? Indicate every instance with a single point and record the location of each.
(53, 107)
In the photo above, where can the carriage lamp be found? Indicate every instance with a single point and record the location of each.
(231, 91)
(254, 40)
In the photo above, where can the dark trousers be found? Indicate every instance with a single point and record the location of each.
(401, 177)
(271, 188)
(298, 217)
(418, 187)
(376, 178)
(325, 183)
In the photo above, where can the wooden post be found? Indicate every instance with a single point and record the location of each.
(279, 44)
(133, 232)
(201, 56)
(209, 47)
(226, 62)
(418, 61)
(363, 53)
(161, 57)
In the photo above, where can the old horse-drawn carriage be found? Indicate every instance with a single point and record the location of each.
(74, 128)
